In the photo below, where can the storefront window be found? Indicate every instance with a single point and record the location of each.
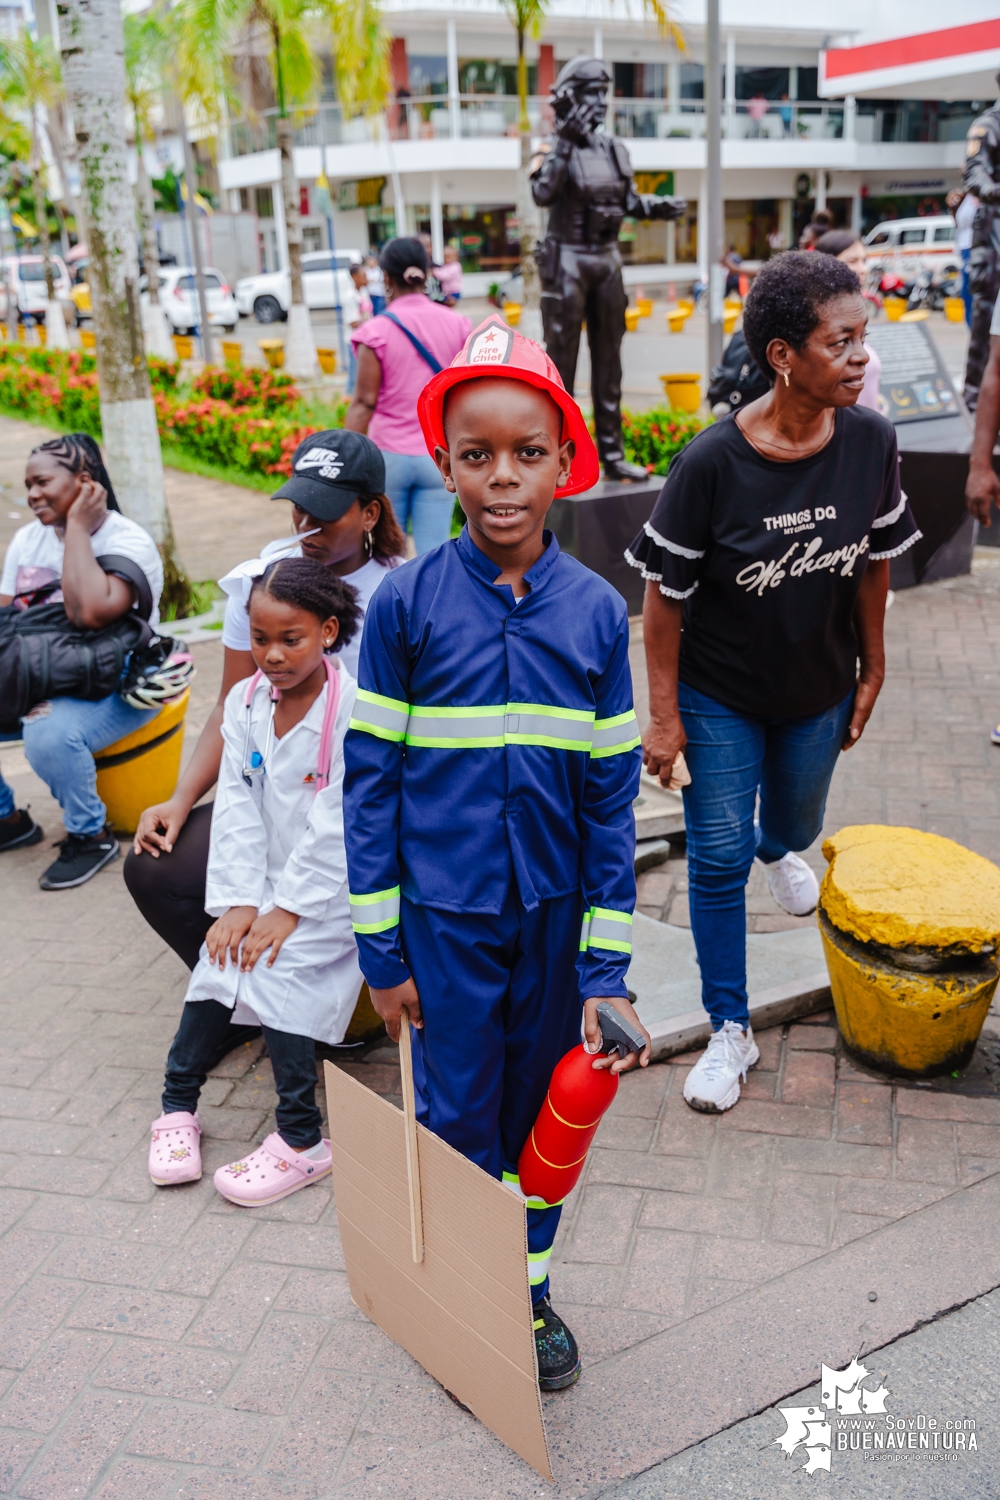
(428, 75)
(640, 80)
(486, 237)
(476, 76)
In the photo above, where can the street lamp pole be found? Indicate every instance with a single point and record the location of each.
(713, 245)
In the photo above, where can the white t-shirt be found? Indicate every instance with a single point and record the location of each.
(38, 546)
(237, 585)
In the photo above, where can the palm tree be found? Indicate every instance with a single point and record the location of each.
(146, 43)
(93, 47)
(30, 80)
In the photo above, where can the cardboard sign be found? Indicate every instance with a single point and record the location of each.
(914, 384)
(464, 1309)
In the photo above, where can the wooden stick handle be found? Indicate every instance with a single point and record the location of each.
(412, 1153)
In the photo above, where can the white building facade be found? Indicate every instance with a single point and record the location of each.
(444, 158)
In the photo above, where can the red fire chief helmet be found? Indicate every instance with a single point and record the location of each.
(495, 350)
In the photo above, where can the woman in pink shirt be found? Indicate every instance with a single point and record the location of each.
(397, 354)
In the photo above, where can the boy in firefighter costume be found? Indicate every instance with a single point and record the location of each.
(491, 765)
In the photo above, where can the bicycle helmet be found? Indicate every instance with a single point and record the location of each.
(156, 675)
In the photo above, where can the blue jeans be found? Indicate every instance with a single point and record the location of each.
(413, 484)
(731, 757)
(966, 293)
(59, 747)
(352, 369)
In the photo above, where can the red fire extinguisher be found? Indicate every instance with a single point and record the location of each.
(579, 1095)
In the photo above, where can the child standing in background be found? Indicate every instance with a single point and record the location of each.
(450, 276)
(280, 954)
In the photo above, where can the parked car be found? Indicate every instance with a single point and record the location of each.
(179, 299)
(30, 284)
(914, 245)
(269, 296)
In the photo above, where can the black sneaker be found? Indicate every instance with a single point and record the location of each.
(558, 1356)
(19, 830)
(80, 857)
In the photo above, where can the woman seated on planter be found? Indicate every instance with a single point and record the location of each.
(77, 521)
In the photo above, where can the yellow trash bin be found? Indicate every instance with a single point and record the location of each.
(512, 313)
(273, 351)
(142, 768)
(327, 361)
(895, 307)
(954, 309)
(686, 302)
(683, 391)
(232, 353)
(183, 345)
(676, 319)
(645, 306)
(88, 340)
(730, 318)
(631, 319)
(910, 924)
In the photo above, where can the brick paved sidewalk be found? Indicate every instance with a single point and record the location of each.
(164, 1344)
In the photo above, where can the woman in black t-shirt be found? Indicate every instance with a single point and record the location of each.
(767, 560)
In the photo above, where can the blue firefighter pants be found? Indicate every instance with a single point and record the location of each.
(501, 1004)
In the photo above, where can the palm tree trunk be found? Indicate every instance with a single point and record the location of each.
(94, 74)
(147, 221)
(300, 347)
(527, 213)
(191, 182)
(41, 213)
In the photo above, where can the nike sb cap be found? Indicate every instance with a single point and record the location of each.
(330, 470)
(494, 350)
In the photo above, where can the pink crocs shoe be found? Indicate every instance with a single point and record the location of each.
(271, 1172)
(175, 1149)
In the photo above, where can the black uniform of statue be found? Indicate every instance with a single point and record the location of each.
(585, 181)
(982, 177)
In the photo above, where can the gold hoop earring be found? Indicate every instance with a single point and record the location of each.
(785, 373)
(369, 544)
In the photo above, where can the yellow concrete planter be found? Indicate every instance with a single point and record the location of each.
(687, 303)
(954, 309)
(88, 340)
(273, 351)
(645, 306)
(366, 1023)
(895, 307)
(902, 1022)
(730, 320)
(676, 319)
(142, 768)
(683, 391)
(631, 319)
(183, 345)
(512, 313)
(43, 335)
(232, 353)
(327, 361)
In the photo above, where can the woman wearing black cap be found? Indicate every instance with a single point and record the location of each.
(342, 518)
(397, 354)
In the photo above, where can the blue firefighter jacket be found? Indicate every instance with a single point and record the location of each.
(493, 741)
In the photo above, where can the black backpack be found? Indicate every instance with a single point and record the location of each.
(737, 379)
(44, 655)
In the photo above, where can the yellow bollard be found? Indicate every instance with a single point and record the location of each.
(910, 924)
(730, 318)
(273, 351)
(895, 307)
(143, 768)
(22, 333)
(232, 353)
(687, 303)
(676, 318)
(645, 306)
(683, 391)
(327, 361)
(88, 340)
(183, 345)
(954, 309)
(631, 319)
(43, 335)
(512, 313)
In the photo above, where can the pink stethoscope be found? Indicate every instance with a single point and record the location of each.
(256, 764)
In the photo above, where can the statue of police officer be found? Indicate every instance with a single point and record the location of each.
(982, 177)
(585, 181)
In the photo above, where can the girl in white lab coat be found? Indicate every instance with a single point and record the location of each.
(281, 952)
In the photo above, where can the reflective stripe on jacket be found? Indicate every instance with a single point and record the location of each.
(493, 740)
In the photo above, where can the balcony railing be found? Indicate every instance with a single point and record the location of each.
(481, 116)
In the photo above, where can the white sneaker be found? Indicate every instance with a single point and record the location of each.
(793, 884)
(713, 1084)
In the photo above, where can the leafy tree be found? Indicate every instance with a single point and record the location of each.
(30, 81)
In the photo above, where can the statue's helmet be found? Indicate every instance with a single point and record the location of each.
(577, 73)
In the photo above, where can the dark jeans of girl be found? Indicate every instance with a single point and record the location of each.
(203, 1030)
(731, 757)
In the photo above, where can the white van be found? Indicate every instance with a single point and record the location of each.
(899, 242)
